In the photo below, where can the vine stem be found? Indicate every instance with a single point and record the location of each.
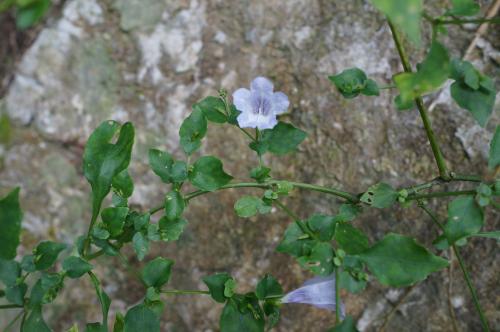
(184, 292)
(268, 185)
(10, 306)
(494, 20)
(337, 296)
(472, 290)
(465, 273)
(441, 194)
(438, 156)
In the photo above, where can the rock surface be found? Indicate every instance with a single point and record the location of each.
(148, 61)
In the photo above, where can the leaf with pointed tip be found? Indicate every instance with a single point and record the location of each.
(10, 224)
(103, 160)
(400, 261)
(208, 174)
(465, 217)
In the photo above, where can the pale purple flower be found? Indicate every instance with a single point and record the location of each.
(318, 291)
(259, 106)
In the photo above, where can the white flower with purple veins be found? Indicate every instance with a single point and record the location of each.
(259, 106)
(318, 291)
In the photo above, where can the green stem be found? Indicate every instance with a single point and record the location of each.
(384, 87)
(431, 214)
(10, 306)
(296, 218)
(94, 255)
(494, 20)
(465, 177)
(472, 290)
(337, 296)
(247, 134)
(467, 278)
(268, 185)
(441, 194)
(438, 156)
(184, 292)
(11, 324)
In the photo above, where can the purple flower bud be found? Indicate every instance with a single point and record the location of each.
(318, 291)
(259, 106)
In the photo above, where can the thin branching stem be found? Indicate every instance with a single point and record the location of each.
(438, 156)
(468, 280)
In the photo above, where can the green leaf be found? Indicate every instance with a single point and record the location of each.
(347, 325)
(229, 287)
(463, 8)
(27, 16)
(380, 196)
(494, 159)
(161, 163)
(119, 323)
(15, 294)
(371, 88)
(405, 14)
(46, 254)
(28, 263)
(322, 226)
(248, 206)
(10, 224)
(114, 219)
(35, 322)
(156, 273)
(141, 319)
(171, 230)
(174, 205)
(213, 108)
(74, 328)
(351, 82)
(242, 314)
(216, 285)
(9, 272)
(233, 115)
(123, 185)
(46, 289)
(179, 171)
(260, 174)
(348, 212)
(282, 139)
(102, 160)
(272, 312)
(192, 131)
(76, 267)
(141, 245)
(350, 239)
(103, 299)
(465, 217)
(351, 284)
(478, 102)
(462, 70)
(140, 221)
(320, 260)
(431, 74)
(295, 242)
(399, 261)
(208, 174)
(268, 287)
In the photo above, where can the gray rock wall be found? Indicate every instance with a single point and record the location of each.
(148, 61)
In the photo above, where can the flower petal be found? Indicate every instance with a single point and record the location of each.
(255, 120)
(261, 84)
(280, 103)
(242, 100)
(319, 292)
